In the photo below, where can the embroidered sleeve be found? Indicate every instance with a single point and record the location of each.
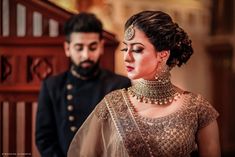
(101, 110)
(206, 112)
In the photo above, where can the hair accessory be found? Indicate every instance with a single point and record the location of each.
(178, 44)
(129, 33)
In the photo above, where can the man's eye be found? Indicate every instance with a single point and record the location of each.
(80, 48)
(92, 48)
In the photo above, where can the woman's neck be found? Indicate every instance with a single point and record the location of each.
(159, 91)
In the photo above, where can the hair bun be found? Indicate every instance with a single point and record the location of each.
(164, 34)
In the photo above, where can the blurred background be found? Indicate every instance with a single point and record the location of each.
(31, 49)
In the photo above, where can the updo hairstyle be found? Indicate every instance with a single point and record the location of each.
(164, 34)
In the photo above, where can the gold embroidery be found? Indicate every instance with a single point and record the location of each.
(168, 136)
(125, 125)
(206, 111)
(101, 111)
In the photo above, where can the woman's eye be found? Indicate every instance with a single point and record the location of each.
(137, 50)
(124, 49)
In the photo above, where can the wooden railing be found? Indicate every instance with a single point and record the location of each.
(31, 49)
(24, 63)
(17, 128)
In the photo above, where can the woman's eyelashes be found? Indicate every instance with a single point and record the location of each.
(135, 50)
(124, 49)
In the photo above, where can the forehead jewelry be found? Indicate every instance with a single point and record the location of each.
(129, 33)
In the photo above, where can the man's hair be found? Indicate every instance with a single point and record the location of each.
(83, 22)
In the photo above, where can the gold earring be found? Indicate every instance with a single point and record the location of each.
(163, 73)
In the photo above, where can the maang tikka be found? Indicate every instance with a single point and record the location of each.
(129, 33)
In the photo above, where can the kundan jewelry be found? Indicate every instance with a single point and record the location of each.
(160, 91)
(129, 33)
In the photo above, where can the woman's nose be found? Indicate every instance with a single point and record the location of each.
(128, 56)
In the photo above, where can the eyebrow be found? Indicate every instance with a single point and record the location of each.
(78, 44)
(81, 44)
(93, 43)
(133, 43)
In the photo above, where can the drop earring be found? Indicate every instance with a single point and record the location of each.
(163, 74)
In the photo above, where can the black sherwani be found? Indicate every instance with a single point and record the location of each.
(64, 104)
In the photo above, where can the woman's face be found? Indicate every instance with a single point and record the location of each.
(140, 57)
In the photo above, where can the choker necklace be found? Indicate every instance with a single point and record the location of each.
(160, 91)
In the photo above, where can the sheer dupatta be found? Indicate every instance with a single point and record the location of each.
(110, 130)
(126, 125)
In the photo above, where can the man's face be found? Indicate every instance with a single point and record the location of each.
(84, 49)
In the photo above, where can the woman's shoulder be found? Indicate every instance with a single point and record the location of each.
(195, 99)
(202, 107)
(111, 99)
(116, 94)
(199, 103)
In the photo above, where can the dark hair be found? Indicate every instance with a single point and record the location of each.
(164, 34)
(82, 22)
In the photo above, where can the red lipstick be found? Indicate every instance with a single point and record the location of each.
(129, 68)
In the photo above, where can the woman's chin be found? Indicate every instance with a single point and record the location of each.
(132, 76)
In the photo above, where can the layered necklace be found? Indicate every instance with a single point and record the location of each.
(160, 91)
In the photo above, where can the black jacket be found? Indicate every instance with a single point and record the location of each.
(64, 104)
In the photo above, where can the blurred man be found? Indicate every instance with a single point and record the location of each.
(66, 100)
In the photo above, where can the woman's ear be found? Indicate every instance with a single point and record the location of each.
(66, 49)
(164, 54)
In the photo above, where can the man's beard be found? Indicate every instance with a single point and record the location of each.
(87, 72)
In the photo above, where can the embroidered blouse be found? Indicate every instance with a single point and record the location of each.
(114, 129)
